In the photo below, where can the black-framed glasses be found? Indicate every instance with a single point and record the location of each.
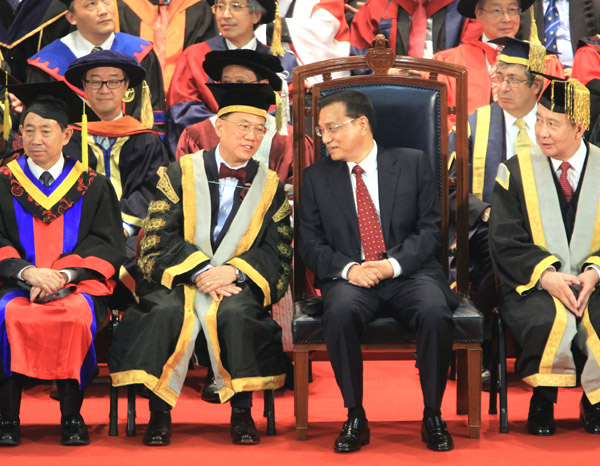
(234, 7)
(245, 128)
(498, 13)
(111, 83)
(331, 129)
(513, 83)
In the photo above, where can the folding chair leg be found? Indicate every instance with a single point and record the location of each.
(131, 410)
(494, 361)
(474, 391)
(503, 382)
(113, 416)
(301, 393)
(269, 396)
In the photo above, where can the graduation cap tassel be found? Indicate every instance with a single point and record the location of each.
(577, 103)
(84, 139)
(276, 47)
(533, 34)
(117, 24)
(147, 115)
(7, 122)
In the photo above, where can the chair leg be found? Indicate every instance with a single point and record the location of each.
(494, 361)
(474, 391)
(113, 416)
(462, 402)
(131, 410)
(301, 393)
(503, 382)
(269, 413)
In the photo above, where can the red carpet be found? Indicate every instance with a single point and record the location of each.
(393, 404)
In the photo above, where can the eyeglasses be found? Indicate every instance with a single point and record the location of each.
(332, 129)
(111, 83)
(245, 128)
(498, 13)
(513, 83)
(234, 7)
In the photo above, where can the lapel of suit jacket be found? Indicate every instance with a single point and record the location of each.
(339, 183)
(388, 175)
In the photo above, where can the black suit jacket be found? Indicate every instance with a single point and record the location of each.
(409, 210)
(584, 20)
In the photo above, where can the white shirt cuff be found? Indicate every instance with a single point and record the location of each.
(595, 267)
(396, 266)
(345, 271)
(539, 283)
(20, 274)
(203, 269)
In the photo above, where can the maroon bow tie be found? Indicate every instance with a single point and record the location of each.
(226, 172)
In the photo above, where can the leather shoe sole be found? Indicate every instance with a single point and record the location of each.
(158, 432)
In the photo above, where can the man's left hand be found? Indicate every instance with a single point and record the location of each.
(589, 280)
(384, 266)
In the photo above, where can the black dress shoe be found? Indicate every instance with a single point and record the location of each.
(435, 434)
(210, 392)
(74, 431)
(243, 430)
(158, 432)
(10, 433)
(540, 420)
(590, 415)
(355, 433)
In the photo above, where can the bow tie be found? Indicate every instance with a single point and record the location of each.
(226, 172)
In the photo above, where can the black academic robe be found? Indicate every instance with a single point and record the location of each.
(155, 340)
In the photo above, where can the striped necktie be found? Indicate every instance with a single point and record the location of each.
(551, 24)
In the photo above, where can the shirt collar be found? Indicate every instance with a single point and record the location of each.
(368, 164)
(220, 160)
(529, 118)
(250, 45)
(576, 161)
(81, 47)
(55, 170)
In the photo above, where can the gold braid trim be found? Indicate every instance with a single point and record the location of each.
(164, 185)
(285, 250)
(284, 280)
(147, 264)
(158, 207)
(285, 231)
(153, 224)
(148, 243)
(282, 212)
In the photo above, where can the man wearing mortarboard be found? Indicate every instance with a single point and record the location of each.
(545, 246)
(61, 245)
(120, 147)
(216, 254)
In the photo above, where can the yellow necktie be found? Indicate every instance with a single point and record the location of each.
(523, 141)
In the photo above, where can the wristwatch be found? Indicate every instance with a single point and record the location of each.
(239, 276)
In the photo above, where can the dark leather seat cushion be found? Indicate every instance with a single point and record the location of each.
(307, 328)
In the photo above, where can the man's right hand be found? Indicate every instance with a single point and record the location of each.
(558, 284)
(364, 276)
(43, 281)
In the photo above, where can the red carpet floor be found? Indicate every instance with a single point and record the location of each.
(393, 404)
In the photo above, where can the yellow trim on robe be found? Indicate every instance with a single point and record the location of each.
(47, 202)
(503, 176)
(131, 220)
(531, 199)
(188, 197)
(593, 343)
(593, 260)
(480, 150)
(34, 32)
(595, 246)
(119, 379)
(255, 276)
(162, 389)
(551, 380)
(537, 273)
(594, 396)
(253, 384)
(114, 157)
(191, 261)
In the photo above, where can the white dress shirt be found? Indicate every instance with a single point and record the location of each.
(512, 130)
(81, 47)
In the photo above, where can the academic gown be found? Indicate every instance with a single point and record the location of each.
(155, 340)
(34, 25)
(189, 100)
(532, 227)
(190, 22)
(131, 164)
(74, 223)
(472, 55)
(50, 64)
(202, 136)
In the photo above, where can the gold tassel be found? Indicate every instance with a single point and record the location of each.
(533, 34)
(276, 47)
(537, 57)
(7, 122)
(147, 116)
(84, 140)
(117, 24)
(577, 103)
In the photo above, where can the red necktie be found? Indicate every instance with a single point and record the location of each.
(566, 187)
(226, 172)
(371, 235)
(418, 31)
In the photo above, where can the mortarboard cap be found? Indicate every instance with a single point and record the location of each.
(129, 64)
(248, 98)
(263, 65)
(569, 97)
(467, 7)
(522, 52)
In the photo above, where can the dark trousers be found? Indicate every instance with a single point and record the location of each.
(418, 302)
(69, 396)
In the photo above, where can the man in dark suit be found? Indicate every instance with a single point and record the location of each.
(369, 230)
